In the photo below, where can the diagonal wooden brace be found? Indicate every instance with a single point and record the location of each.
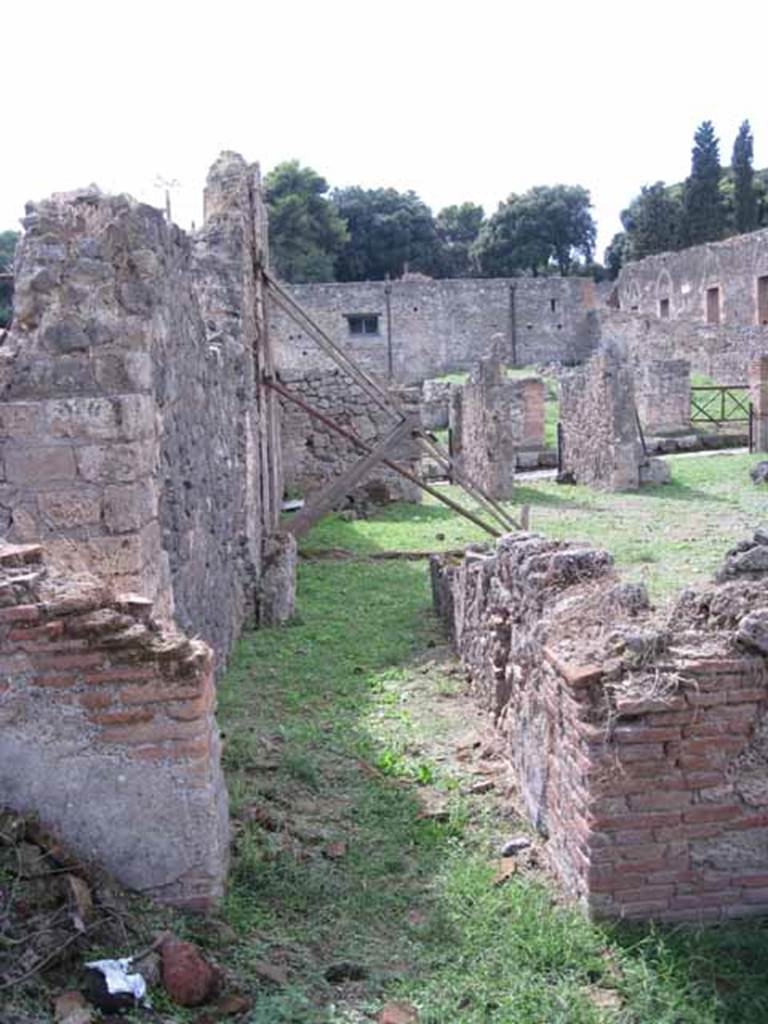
(337, 488)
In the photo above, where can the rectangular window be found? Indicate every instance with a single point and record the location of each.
(762, 300)
(664, 309)
(363, 323)
(553, 305)
(713, 305)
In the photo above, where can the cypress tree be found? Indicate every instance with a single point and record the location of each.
(702, 219)
(744, 199)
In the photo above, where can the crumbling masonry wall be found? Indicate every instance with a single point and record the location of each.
(108, 731)
(601, 445)
(663, 395)
(129, 404)
(720, 351)
(493, 418)
(638, 741)
(314, 454)
(138, 444)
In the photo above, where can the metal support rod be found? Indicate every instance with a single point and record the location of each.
(474, 490)
(302, 318)
(339, 486)
(512, 325)
(401, 470)
(640, 432)
(390, 353)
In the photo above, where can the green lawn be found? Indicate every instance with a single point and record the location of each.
(339, 725)
(665, 535)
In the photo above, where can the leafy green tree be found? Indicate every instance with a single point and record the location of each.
(389, 232)
(617, 254)
(548, 227)
(703, 214)
(652, 221)
(457, 231)
(8, 240)
(306, 232)
(744, 197)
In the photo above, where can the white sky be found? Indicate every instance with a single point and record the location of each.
(458, 101)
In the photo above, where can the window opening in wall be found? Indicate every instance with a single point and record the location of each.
(762, 300)
(553, 305)
(664, 309)
(713, 305)
(634, 309)
(363, 323)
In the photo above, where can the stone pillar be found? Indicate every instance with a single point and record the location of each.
(758, 386)
(78, 430)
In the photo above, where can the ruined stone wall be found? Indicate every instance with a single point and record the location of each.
(676, 284)
(427, 328)
(663, 395)
(601, 445)
(493, 419)
(138, 443)
(313, 454)
(108, 732)
(721, 352)
(128, 405)
(639, 742)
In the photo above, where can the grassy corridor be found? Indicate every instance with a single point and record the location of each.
(368, 826)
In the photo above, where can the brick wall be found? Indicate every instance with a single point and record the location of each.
(108, 731)
(640, 741)
(138, 443)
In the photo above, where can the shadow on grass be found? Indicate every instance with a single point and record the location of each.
(411, 898)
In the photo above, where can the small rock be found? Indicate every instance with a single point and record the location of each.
(72, 1008)
(333, 851)
(149, 968)
(483, 786)
(187, 976)
(229, 1006)
(345, 971)
(753, 630)
(398, 1013)
(759, 472)
(515, 845)
(270, 972)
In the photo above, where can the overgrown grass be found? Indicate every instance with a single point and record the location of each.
(666, 536)
(336, 723)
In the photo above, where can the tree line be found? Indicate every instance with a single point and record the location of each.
(356, 234)
(8, 240)
(711, 204)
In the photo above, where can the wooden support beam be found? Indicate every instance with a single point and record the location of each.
(340, 486)
(348, 435)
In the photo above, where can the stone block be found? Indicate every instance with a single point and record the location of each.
(123, 417)
(116, 463)
(22, 420)
(41, 465)
(70, 507)
(125, 370)
(129, 507)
